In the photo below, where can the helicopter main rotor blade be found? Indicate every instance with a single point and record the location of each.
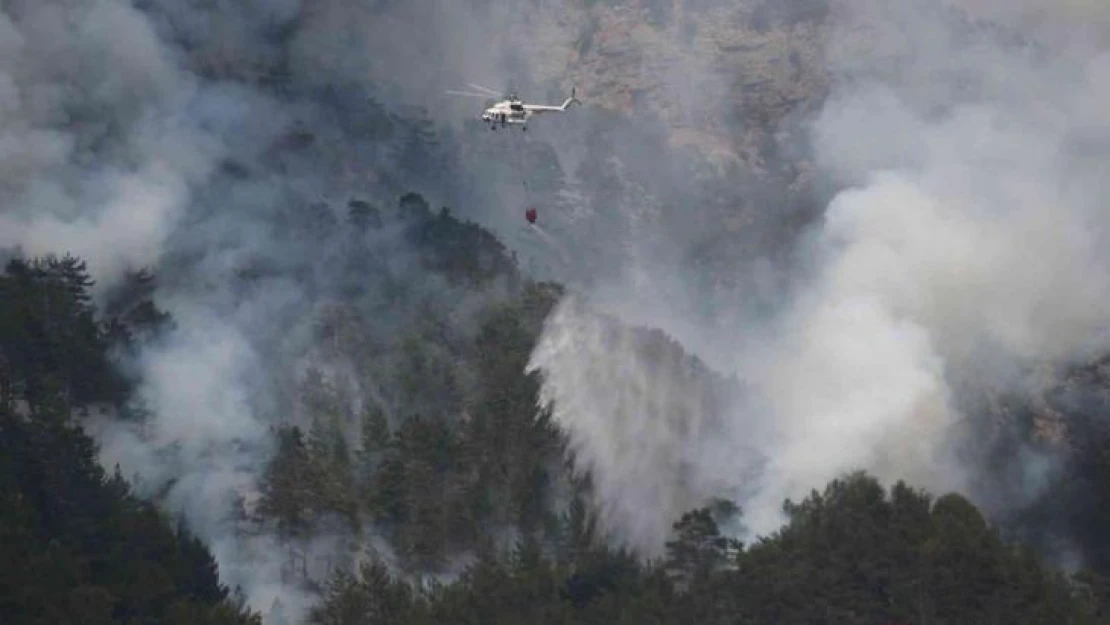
(486, 89)
(470, 94)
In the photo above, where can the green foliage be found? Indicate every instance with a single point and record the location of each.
(463, 252)
(52, 349)
(307, 479)
(454, 454)
(510, 442)
(363, 215)
(1073, 507)
(435, 482)
(287, 488)
(333, 466)
(78, 547)
(451, 446)
(418, 473)
(418, 149)
(132, 317)
(859, 556)
(854, 554)
(375, 431)
(371, 597)
(698, 549)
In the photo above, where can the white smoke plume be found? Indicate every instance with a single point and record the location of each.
(148, 138)
(641, 418)
(971, 236)
(98, 149)
(111, 147)
(968, 240)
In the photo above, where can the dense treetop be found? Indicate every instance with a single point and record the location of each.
(77, 545)
(454, 458)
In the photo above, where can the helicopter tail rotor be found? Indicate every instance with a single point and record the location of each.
(573, 99)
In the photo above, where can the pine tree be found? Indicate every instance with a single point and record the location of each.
(418, 153)
(375, 438)
(331, 468)
(363, 216)
(287, 486)
(698, 549)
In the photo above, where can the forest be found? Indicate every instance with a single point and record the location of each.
(77, 545)
(81, 547)
(269, 310)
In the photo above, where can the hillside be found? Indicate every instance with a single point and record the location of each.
(844, 254)
(77, 544)
(437, 486)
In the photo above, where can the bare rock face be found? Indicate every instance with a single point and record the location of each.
(726, 85)
(1071, 412)
(722, 76)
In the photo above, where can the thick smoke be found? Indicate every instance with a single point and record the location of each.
(219, 144)
(99, 148)
(155, 138)
(968, 242)
(637, 405)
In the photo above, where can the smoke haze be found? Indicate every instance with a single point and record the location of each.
(967, 243)
(220, 145)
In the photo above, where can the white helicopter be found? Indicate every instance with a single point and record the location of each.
(511, 110)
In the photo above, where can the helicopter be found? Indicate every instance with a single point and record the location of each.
(511, 110)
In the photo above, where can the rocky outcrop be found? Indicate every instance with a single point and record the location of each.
(722, 76)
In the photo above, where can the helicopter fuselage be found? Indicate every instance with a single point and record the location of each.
(513, 111)
(505, 113)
